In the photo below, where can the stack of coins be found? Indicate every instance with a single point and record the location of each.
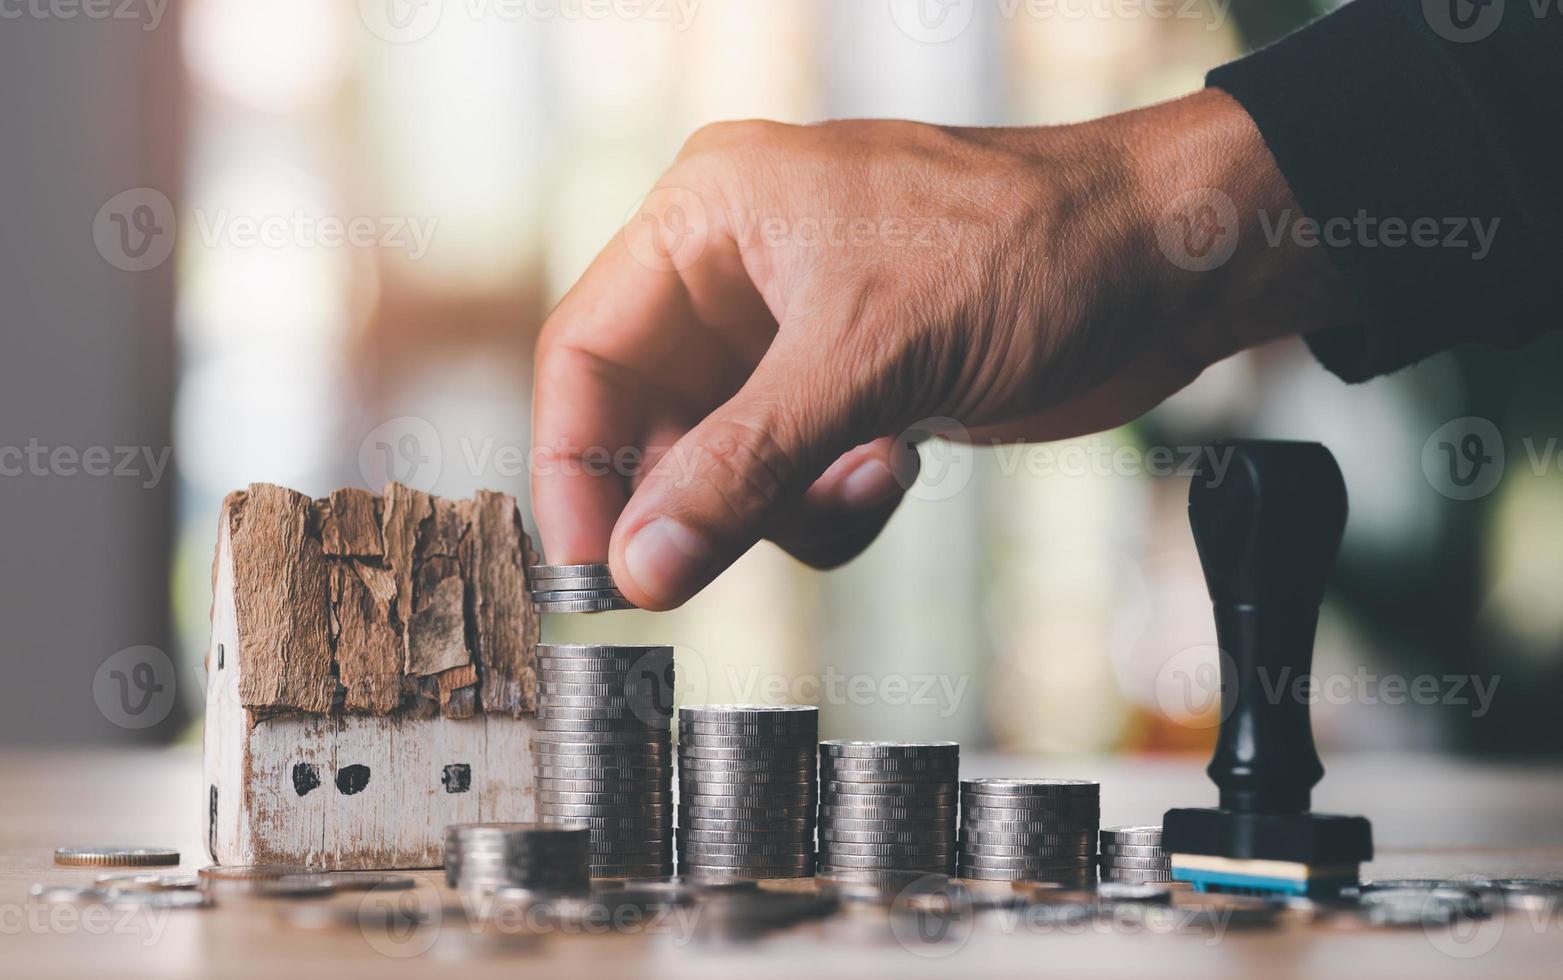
(1134, 855)
(887, 806)
(604, 752)
(575, 588)
(488, 856)
(747, 793)
(1030, 830)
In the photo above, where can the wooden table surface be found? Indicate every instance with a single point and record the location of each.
(1433, 817)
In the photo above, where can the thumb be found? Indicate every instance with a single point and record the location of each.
(717, 490)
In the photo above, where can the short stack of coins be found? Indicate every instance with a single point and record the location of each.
(543, 859)
(887, 807)
(1030, 830)
(1134, 855)
(575, 589)
(604, 752)
(748, 796)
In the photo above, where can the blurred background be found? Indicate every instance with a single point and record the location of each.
(311, 242)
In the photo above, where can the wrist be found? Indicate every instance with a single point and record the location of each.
(1206, 191)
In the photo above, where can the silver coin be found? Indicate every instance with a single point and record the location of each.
(1134, 850)
(1030, 804)
(1080, 839)
(1021, 874)
(802, 741)
(946, 848)
(605, 798)
(985, 824)
(640, 812)
(699, 766)
(720, 751)
(746, 712)
(924, 814)
(998, 850)
(1040, 863)
(567, 571)
(584, 605)
(551, 712)
(1142, 834)
(873, 825)
(576, 583)
(942, 836)
(644, 737)
(774, 825)
(795, 727)
(148, 881)
(595, 651)
(610, 772)
(1108, 861)
(653, 826)
(617, 702)
(773, 852)
(736, 811)
(651, 784)
(750, 777)
(929, 862)
(574, 595)
(889, 791)
(919, 782)
(632, 726)
(992, 814)
(654, 748)
(700, 831)
(632, 870)
(1137, 877)
(765, 862)
(858, 748)
(1032, 787)
(116, 857)
(944, 768)
(754, 793)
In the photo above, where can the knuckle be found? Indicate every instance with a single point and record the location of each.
(746, 468)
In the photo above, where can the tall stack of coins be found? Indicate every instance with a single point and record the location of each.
(747, 792)
(487, 856)
(887, 806)
(1030, 830)
(604, 752)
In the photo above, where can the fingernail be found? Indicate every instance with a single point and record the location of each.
(668, 560)
(868, 486)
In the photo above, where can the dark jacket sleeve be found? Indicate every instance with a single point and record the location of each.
(1423, 109)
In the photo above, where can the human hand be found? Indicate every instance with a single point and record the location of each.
(742, 358)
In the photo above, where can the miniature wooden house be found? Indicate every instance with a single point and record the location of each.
(370, 677)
